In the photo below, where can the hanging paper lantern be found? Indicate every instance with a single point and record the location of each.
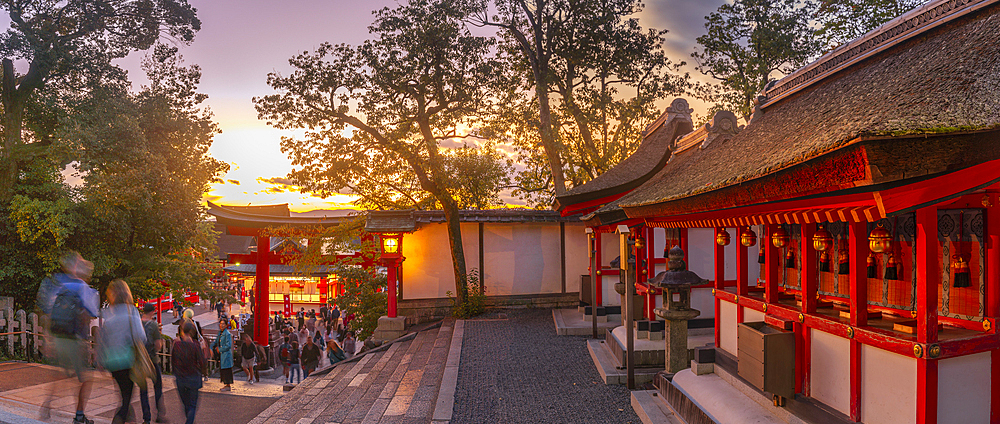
(780, 237)
(880, 240)
(722, 238)
(822, 240)
(748, 237)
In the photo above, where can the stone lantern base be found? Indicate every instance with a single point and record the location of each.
(389, 328)
(676, 337)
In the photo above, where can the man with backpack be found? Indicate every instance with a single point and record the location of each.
(285, 356)
(70, 304)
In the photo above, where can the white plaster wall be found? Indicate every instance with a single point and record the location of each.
(964, 389)
(888, 387)
(609, 248)
(427, 270)
(830, 374)
(522, 258)
(752, 315)
(577, 262)
(609, 297)
(702, 300)
(701, 252)
(727, 327)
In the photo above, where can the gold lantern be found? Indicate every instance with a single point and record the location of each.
(722, 238)
(880, 240)
(822, 240)
(748, 237)
(780, 237)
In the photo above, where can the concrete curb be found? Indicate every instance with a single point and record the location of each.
(446, 393)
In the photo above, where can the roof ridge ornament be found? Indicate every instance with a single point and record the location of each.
(723, 126)
(678, 109)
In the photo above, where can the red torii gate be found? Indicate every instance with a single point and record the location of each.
(253, 221)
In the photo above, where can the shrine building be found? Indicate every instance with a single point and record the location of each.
(864, 193)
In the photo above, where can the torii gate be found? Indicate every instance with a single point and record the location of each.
(250, 221)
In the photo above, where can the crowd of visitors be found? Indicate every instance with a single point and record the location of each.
(129, 343)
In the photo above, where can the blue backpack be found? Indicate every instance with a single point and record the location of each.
(66, 310)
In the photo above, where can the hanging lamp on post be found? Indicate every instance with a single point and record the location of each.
(748, 238)
(780, 237)
(722, 237)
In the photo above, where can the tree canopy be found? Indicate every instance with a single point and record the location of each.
(589, 78)
(748, 44)
(374, 116)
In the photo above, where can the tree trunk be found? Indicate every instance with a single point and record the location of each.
(451, 214)
(547, 133)
(13, 111)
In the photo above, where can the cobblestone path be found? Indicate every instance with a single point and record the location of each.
(516, 370)
(399, 385)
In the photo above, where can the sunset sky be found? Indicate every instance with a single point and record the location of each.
(242, 41)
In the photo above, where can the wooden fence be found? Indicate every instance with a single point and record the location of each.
(21, 337)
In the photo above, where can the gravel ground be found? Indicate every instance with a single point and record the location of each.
(517, 370)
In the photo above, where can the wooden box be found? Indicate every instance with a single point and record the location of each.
(767, 358)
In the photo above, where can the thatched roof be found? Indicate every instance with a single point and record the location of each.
(945, 79)
(649, 157)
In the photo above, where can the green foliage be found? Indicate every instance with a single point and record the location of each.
(588, 80)
(364, 296)
(748, 44)
(373, 117)
(475, 300)
(480, 174)
(844, 20)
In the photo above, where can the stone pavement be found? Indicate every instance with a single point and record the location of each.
(396, 385)
(24, 387)
(514, 369)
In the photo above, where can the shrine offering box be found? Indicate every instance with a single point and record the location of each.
(767, 357)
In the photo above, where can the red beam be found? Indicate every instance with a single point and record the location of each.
(935, 189)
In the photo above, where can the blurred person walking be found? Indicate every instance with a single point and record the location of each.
(223, 344)
(68, 304)
(334, 352)
(122, 331)
(349, 345)
(188, 361)
(284, 355)
(154, 342)
(310, 357)
(293, 358)
(248, 354)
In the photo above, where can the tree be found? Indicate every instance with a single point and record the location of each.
(844, 20)
(58, 38)
(747, 43)
(374, 115)
(580, 62)
(480, 174)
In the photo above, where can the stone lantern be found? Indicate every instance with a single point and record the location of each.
(676, 284)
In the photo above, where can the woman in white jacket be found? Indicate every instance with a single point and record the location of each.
(122, 328)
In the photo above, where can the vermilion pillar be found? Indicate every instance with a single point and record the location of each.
(772, 264)
(262, 293)
(599, 289)
(808, 284)
(928, 277)
(858, 251)
(742, 272)
(391, 265)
